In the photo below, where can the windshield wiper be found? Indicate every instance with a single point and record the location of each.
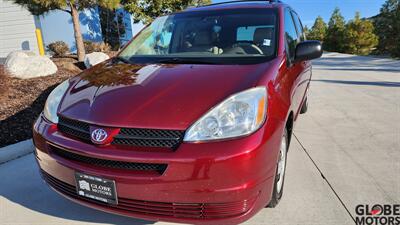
(184, 61)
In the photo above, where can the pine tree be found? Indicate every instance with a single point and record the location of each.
(72, 7)
(387, 25)
(359, 36)
(318, 30)
(334, 40)
(306, 30)
(147, 10)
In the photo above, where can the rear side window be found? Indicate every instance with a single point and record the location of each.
(299, 26)
(290, 35)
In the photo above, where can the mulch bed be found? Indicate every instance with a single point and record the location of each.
(22, 100)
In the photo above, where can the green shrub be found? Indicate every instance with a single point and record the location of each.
(96, 47)
(359, 36)
(58, 48)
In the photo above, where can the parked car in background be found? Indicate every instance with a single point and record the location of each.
(190, 123)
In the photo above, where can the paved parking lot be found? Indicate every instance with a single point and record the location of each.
(345, 152)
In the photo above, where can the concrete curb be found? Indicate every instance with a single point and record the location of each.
(17, 150)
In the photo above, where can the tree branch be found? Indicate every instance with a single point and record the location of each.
(66, 10)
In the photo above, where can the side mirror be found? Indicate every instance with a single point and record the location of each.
(308, 50)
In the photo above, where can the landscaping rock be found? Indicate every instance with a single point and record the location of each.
(95, 58)
(26, 64)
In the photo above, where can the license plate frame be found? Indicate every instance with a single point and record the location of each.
(96, 188)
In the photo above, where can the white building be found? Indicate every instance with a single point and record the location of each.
(17, 29)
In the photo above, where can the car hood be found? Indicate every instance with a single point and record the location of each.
(163, 96)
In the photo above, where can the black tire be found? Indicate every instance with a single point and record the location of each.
(304, 107)
(276, 196)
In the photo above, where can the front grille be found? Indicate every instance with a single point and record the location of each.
(160, 209)
(127, 136)
(75, 124)
(74, 128)
(149, 137)
(160, 168)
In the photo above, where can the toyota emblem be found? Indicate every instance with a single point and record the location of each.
(99, 135)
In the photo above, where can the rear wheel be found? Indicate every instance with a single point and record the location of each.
(280, 172)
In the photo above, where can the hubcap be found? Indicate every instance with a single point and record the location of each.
(281, 164)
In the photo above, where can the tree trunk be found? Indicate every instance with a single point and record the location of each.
(80, 48)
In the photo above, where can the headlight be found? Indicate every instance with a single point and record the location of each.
(52, 102)
(240, 114)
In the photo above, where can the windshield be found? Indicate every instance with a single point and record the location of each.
(236, 36)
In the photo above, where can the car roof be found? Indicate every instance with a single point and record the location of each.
(238, 4)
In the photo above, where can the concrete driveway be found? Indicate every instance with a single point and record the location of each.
(345, 152)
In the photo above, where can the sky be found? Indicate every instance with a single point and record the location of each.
(308, 10)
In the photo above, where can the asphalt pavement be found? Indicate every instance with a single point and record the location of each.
(345, 152)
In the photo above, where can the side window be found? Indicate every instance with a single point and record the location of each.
(290, 34)
(299, 26)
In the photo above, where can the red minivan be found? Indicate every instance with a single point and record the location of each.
(190, 122)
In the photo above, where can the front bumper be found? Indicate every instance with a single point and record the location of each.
(223, 182)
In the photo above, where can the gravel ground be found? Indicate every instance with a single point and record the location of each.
(21, 101)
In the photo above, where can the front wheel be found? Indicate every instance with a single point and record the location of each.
(280, 172)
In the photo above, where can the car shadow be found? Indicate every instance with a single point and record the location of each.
(24, 187)
(361, 83)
